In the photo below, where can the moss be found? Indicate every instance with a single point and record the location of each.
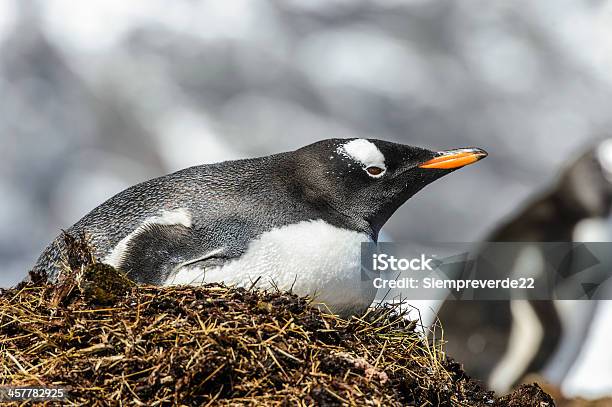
(223, 346)
(215, 345)
(103, 284)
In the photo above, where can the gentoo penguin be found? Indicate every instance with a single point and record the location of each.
(501, 342)
(292, 220)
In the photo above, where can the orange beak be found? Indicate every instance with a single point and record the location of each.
(451, 159)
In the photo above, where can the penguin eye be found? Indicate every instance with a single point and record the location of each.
(374, 170)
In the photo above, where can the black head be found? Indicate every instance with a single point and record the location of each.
(366, 181)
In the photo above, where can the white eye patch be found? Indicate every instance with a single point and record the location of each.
(604, 155)
(365, 153)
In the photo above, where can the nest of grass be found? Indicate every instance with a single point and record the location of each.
(108, 342)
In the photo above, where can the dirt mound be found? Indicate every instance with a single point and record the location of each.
(199, 344)
(109, 341)
(561, 401)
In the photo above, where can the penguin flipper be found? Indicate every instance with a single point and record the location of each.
(156, 251)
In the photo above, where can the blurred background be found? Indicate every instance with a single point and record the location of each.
(99, 95)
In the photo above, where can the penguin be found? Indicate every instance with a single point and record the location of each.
(501, 342)
(293, 220)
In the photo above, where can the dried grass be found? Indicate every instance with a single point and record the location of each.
(213, 345)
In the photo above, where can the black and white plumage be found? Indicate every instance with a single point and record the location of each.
(501, 342)
(295, 219)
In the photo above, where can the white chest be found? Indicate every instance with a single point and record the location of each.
(311, 258)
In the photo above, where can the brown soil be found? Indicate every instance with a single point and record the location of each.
(111, 342)
(562, 401)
